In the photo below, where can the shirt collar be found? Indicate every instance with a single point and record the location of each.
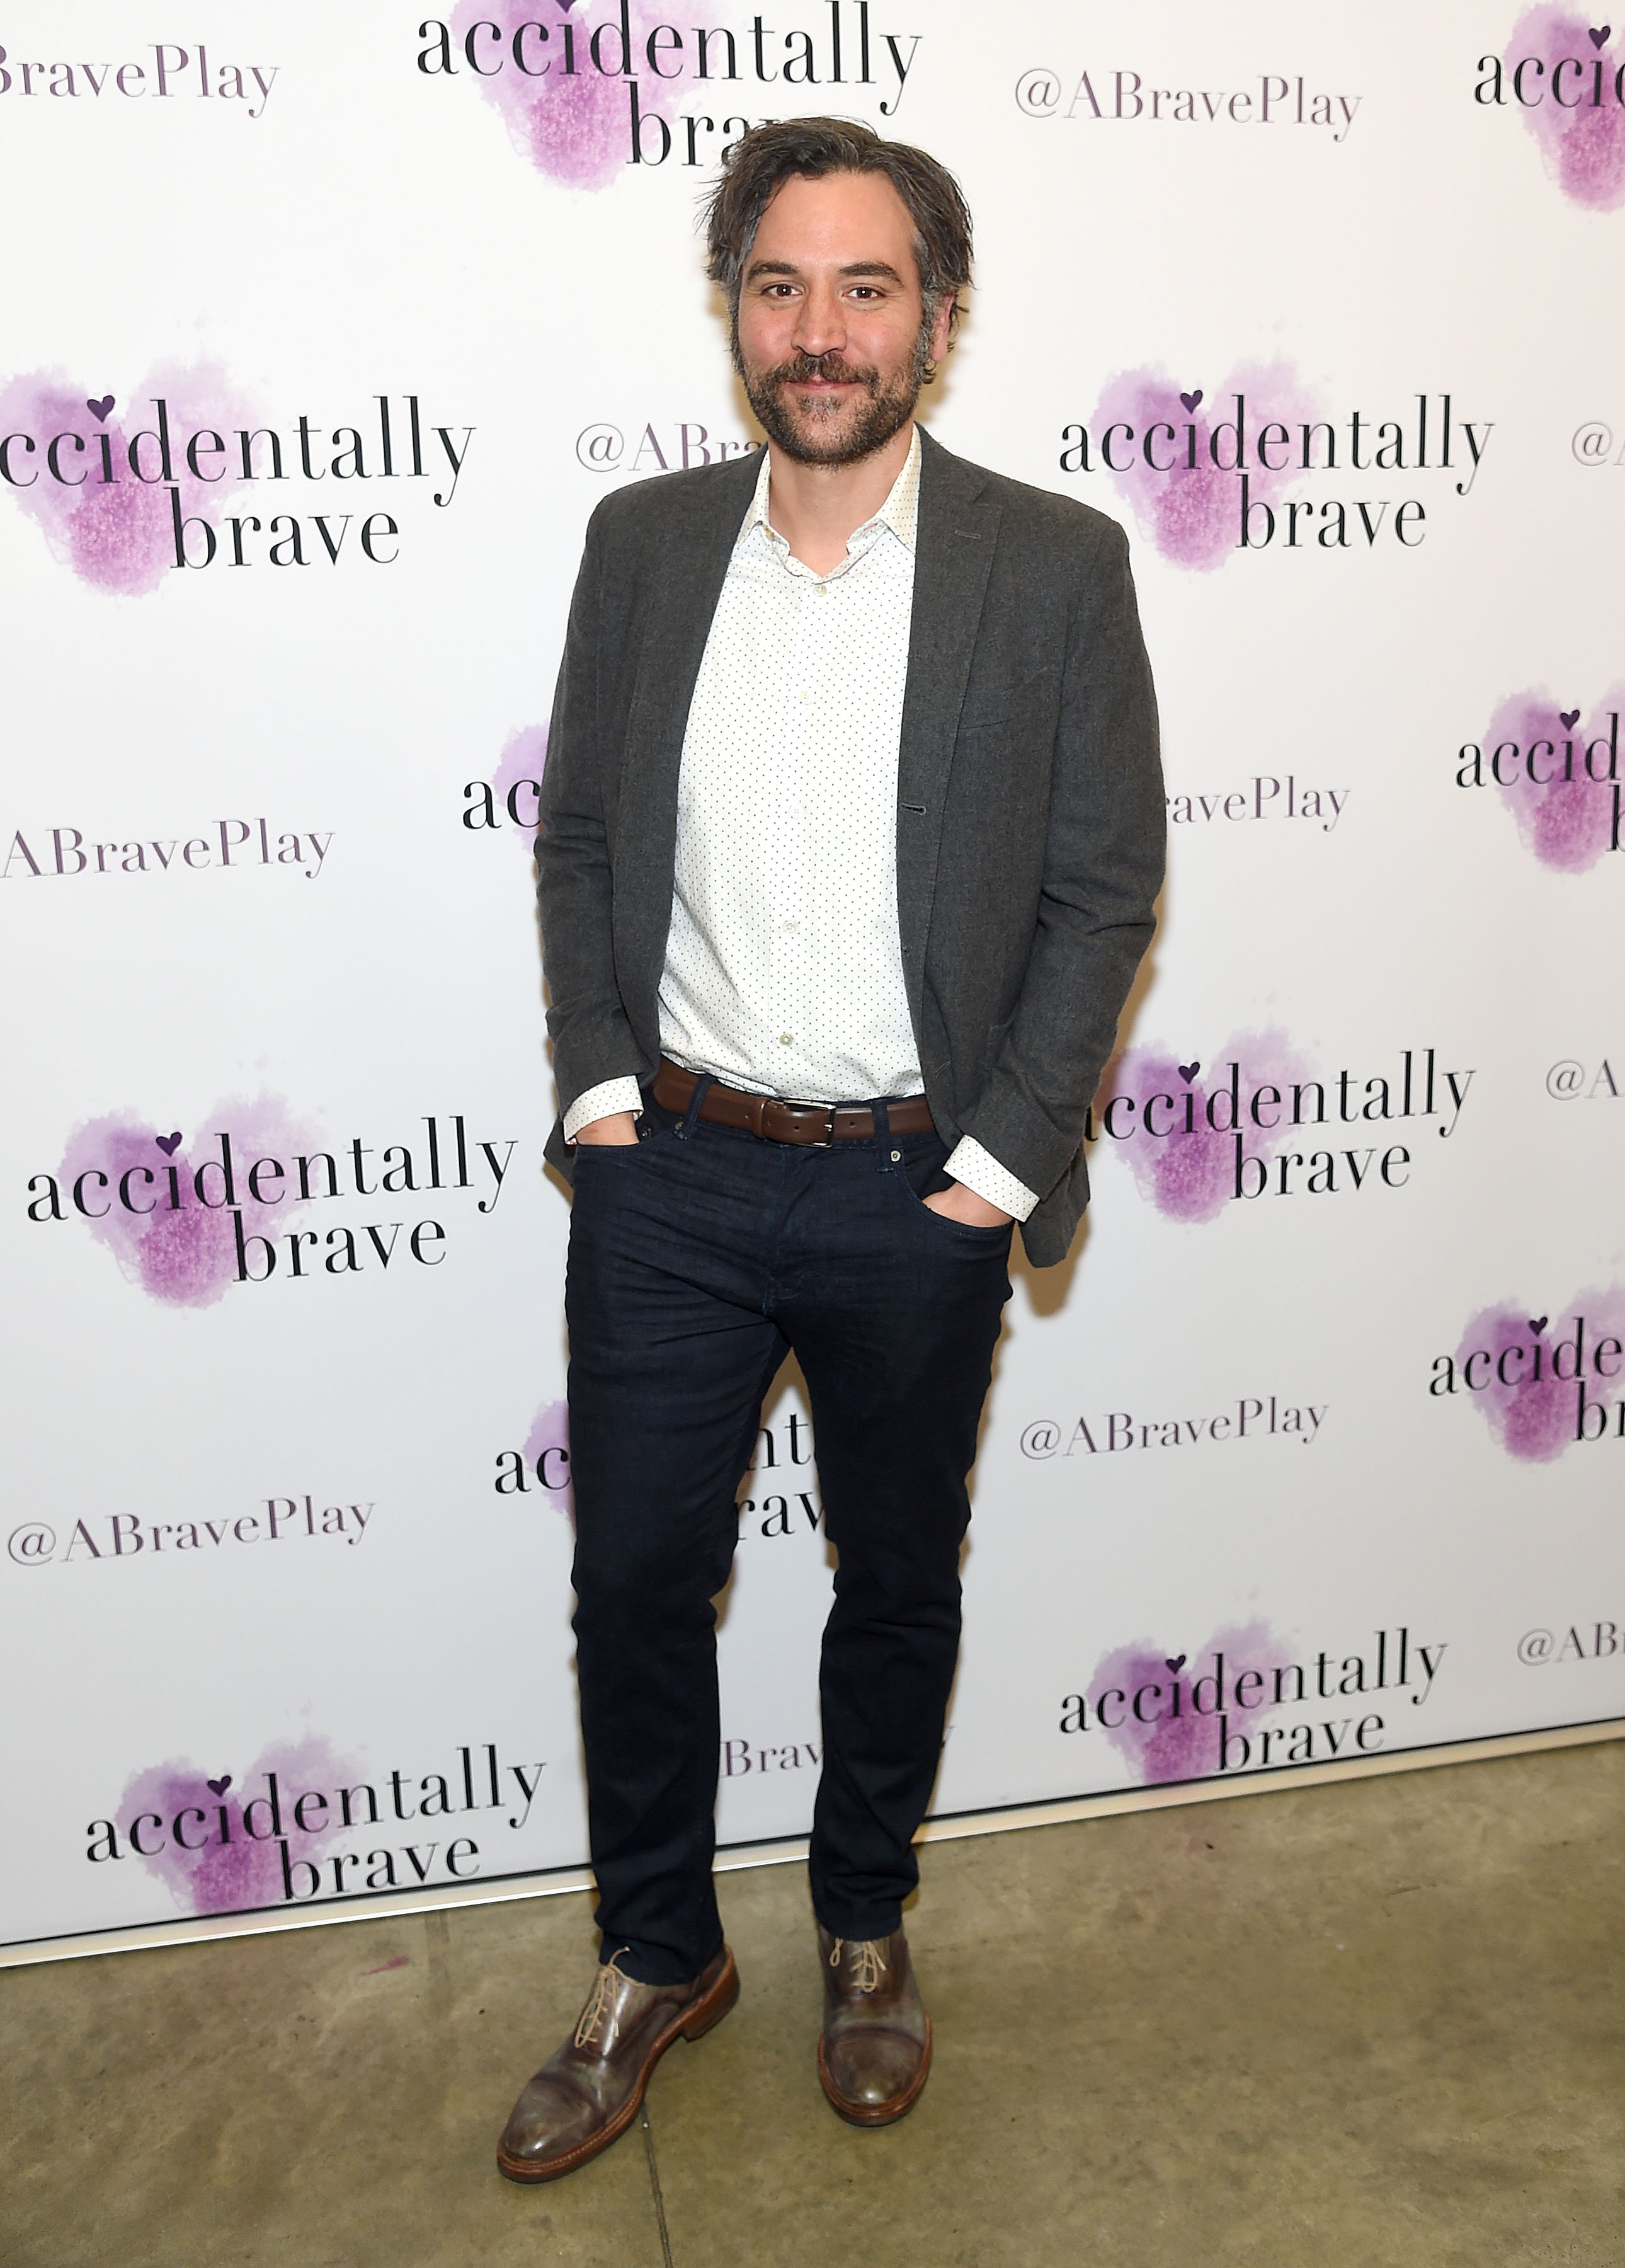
(899, 512)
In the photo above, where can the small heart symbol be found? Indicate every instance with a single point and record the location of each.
(1571, 718)
(1599, 39)
(1538, 1324)
(99, 410)
(1191, 399)
(1174, 1661)
(169, 1143)
(1188, 1072)
(218, 1786)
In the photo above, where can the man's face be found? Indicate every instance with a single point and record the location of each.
(831, 339)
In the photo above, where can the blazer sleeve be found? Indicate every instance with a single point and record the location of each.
(592, 1041)
(1103, 867)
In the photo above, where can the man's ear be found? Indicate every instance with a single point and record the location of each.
(941, 327)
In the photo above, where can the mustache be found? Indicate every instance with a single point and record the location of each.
(802, 367)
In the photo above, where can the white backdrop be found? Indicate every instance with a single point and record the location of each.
(1246, 1501)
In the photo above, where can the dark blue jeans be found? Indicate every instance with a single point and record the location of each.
(698, 1256)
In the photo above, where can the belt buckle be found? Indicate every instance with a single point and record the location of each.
(829, 1142)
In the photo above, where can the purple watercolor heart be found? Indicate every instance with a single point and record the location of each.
(1599, 39)
(218, 1786)
(1191, 401)
(1188, 1072)
(168, 1144)
(1538, 1324)
(99, 410)
(1571, 718)
(1174, 1661)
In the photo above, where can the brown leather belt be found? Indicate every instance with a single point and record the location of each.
(814, 1124)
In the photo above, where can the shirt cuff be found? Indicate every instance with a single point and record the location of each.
(971, 1164)
(601, 1101)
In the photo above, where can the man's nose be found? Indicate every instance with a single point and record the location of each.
(821, 327)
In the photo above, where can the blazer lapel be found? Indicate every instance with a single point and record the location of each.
(682, 574)
(954, 556)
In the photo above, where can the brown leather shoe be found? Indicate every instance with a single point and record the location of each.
(588, 2093)
(876, 2049)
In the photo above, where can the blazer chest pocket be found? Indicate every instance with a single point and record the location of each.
(991, 708)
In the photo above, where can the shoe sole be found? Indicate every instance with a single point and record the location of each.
(693, 2024)
(876, 2114)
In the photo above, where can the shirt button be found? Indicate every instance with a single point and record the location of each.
(822, 589)
(786, 1039)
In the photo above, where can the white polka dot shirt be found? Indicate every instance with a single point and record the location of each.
(784, 964)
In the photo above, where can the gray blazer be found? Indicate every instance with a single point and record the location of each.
(1030, 817)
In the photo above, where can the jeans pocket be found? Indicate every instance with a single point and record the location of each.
(605, 1161)
(941, 1223)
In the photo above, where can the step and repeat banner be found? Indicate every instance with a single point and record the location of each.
(324, 331)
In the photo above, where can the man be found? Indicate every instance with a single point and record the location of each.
(851, 832)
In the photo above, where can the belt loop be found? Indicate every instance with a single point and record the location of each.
(883, 1135)
(703, 1083)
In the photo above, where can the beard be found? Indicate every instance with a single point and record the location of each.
(816, 431)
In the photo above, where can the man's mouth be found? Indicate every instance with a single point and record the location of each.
(824, 382)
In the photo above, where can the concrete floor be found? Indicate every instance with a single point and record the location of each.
(1336, 2028)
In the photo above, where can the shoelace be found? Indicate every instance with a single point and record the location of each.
(868, 1958)
(600, 2000)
